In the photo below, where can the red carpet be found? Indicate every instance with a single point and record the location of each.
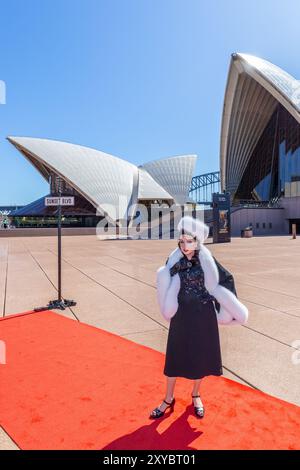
(67, 385)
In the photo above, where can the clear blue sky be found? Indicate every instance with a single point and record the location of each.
(140, 79)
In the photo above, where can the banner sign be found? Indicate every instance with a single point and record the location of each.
(221, 217)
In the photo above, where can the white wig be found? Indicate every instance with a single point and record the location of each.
(195, 227)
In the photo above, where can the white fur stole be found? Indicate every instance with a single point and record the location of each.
(232, 310)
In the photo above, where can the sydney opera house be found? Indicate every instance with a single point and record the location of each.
(102, 185)
(260, 144)
(259, 160)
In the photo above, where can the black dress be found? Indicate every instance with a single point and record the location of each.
(193, 346)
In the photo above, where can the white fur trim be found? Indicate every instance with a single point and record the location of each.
(210, 269)
(174, 257)
(232, 310)
(195, 226)
(167, 291)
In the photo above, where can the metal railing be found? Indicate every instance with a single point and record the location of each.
(274, 202)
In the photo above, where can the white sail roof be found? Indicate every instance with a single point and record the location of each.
(149, 188)
(287, 85)
(174, 174)
(254, 88)
(110, 183)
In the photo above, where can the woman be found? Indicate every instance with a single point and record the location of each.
(187, 290)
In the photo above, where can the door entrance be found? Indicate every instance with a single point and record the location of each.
(294, 221)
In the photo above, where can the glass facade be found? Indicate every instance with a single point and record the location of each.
(36, 214)
(274, 167)
(48, 221)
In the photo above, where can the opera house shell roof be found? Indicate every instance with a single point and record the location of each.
(106, 181)
(259, 94)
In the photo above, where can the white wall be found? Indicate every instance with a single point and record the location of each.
(241, 218)
(291, 206)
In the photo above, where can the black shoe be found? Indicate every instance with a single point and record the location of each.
(199, 410)
(157, 413)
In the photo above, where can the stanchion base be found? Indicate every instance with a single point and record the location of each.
(59, 304)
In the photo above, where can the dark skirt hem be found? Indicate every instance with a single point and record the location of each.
(185, 376)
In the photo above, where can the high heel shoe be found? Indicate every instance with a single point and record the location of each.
(199, 410)
(157, 413)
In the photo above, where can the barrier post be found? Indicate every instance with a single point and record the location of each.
(58, 303)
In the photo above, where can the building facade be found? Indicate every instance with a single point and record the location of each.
(260, 142)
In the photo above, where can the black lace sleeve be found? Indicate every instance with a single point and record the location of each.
(226, 279)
